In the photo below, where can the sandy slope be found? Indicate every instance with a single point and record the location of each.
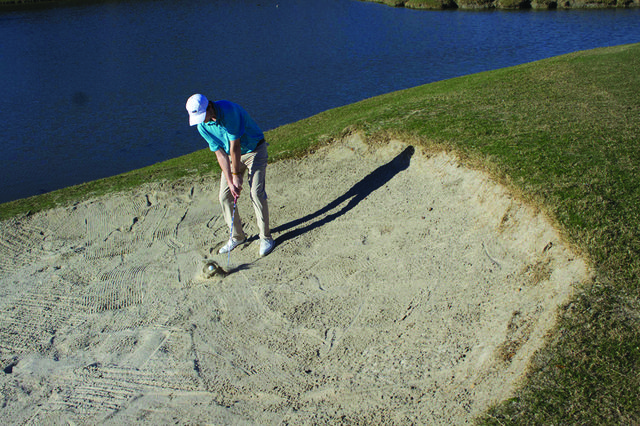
(403, 288)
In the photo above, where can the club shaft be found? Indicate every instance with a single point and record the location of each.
(233, 218)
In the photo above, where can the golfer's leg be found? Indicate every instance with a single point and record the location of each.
(226, 202)
(257, 177)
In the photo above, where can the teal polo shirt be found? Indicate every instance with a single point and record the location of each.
(232, 122)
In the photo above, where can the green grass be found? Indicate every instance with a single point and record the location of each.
(563, 134)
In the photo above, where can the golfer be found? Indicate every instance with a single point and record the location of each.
(239, 146)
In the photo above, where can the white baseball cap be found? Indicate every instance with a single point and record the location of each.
(197, 108)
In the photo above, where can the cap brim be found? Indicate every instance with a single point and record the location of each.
(197, 118)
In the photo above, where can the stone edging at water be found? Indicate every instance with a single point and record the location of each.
(509, 4)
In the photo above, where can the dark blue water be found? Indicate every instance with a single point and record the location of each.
(93, 90)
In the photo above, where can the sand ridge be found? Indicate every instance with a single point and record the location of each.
(403, 288)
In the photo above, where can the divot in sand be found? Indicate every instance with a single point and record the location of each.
(403, 288)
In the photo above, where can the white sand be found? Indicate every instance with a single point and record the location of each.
(401, 290)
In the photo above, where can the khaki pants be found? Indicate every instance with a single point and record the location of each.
(256, 164)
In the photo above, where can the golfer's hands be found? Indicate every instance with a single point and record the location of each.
(236, 186)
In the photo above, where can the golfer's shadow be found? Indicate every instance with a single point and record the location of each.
(374, 180)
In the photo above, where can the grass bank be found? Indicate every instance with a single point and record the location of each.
(563, 133)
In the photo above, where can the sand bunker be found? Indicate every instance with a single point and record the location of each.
(404, 288)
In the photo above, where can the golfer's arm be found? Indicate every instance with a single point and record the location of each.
(234, 153)
(225, 165)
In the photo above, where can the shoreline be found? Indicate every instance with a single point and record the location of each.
(480, 5)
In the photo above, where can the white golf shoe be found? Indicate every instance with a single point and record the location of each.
(266, 245)
(231, 244)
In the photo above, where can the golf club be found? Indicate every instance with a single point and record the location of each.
(233, 216)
